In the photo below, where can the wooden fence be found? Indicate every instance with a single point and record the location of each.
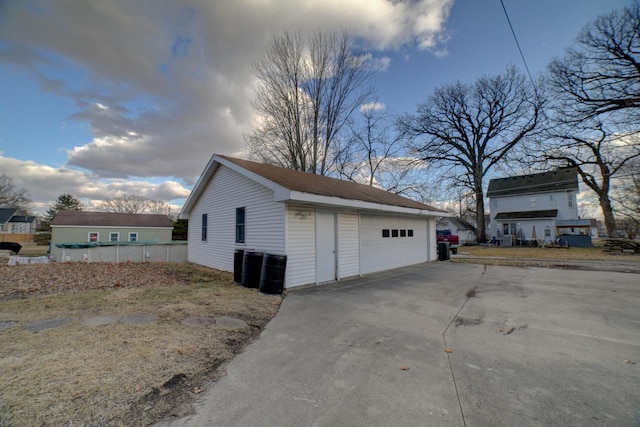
(16, 237)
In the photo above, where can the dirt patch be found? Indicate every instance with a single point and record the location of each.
(116, 373)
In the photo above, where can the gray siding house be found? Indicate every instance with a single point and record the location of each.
(329, 229)
(539, 207)
(106, 227)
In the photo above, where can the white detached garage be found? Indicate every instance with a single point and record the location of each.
(329, 229)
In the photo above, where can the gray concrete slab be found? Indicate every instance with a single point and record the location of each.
(139, 319)
(41, 325)
(103, 320)
(337, 355)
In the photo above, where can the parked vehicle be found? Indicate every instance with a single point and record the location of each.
(447, 236)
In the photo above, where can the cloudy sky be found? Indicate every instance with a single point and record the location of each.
(104, 98)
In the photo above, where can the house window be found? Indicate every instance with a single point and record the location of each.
(410, 233)
(114, 237)
(570, 199)
(133, 237)
(240, 225)
(394, 233)
(204, 227)
(94, 236)
(547, 232)
(494, 203)
(385, 232)
(403, 233)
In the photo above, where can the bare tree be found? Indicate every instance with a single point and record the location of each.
(129, 203)
(469, 128)
(11, 196)
(627, 198)
(595, 104)
(376, 155)
(306, 92)
(158, 207)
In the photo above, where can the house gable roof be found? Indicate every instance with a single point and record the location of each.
(108, 219)
(289, 184)
(6, 214)
(549, 213)
(458, 222)
(558, 180)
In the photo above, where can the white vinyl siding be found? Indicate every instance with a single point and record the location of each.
(348, 245)
(379, 253)
(264, 220)
(301, 246)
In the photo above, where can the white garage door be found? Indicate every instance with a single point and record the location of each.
(388, 242)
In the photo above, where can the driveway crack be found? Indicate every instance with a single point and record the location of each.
(470, 293)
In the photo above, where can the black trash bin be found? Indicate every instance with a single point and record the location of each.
(272, 274)
(251, 268)
(238, 259)
(443, 251)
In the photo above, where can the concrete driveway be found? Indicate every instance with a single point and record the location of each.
(533, 346)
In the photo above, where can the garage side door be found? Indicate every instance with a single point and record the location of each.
(388, 242)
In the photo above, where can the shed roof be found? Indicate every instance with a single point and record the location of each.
(22, 218)
(109, 219)
(303, 182)
(559, 179)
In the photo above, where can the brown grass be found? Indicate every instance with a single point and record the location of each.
(515, 252)
(121, 374)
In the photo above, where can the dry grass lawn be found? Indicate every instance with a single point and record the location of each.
(595, 254)
(117, 374)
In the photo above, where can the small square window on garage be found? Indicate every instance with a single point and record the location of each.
(410, 233)
(385, 233)
(394, 233)
(403, 233)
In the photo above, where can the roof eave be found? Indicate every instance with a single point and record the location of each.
(302, 197)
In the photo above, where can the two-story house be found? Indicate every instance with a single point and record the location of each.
(537, 207)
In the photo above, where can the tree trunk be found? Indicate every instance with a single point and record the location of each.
(481, 234)
(607, 212)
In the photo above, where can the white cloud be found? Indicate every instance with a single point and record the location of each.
(162, 88)
(45, 183)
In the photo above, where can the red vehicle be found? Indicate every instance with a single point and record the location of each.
(447, 236)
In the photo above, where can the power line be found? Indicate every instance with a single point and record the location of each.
(518, 44)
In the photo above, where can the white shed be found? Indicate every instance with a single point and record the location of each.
(329, 229)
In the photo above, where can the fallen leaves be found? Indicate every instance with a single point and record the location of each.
(404, 367)
(448, 350)
(505, 331)
(632, 362)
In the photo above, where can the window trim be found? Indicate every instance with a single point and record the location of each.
(241, 227)
(114, 233)
(204, 227)
(129, 236)
(97, 233)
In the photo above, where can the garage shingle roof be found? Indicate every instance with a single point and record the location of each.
(325, 186)
(108, 219)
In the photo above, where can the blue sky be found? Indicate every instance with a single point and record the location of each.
(100, 99)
